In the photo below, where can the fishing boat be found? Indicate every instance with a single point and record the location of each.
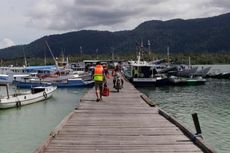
(9, 74)
(218, 75)
(142, 73)
(29, 83)
(184, 71)
(203, 72)
(74, 83)
(4, 78)
(225, 75)
(182, 81)
(67, 83)
(24, 98)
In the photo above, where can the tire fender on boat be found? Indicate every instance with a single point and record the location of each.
(18, 104)
(45, 94)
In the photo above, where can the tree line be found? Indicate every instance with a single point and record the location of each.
(181, 58)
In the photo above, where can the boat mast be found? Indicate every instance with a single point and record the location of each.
(97, 53)
(142, 49)
(149, 44)
(56, 63)
(112, 51)
(138, 58)
(168, 54)
(45, 57)
(81, 51)
(25, 61)
(67, 62)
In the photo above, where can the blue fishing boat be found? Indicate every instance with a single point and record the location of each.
(68, 83)
(74, 83)
(29, 84)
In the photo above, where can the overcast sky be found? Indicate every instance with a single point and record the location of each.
(23, 21)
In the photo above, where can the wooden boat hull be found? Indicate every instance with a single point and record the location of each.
(74, 83)
(18, 100)
(186, 81)
(143, 82)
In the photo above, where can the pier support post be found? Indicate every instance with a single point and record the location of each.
(196, 123)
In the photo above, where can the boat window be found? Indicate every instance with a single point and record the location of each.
(36, 90)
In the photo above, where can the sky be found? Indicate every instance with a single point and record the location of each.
(23, 21)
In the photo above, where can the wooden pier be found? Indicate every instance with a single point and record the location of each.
(121, 123)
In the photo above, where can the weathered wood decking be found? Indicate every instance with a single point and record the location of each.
(121, 123)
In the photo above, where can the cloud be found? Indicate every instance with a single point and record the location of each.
(64, 15)
(6, 42)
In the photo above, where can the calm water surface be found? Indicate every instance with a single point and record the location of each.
(210, 101)
(22, 130)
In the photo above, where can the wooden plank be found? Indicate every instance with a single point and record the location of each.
(89, 130)
(140, 148)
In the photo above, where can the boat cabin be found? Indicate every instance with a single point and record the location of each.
(143, 71)
(7, 88)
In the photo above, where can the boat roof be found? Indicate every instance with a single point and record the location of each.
(142, 65)
(3, 75)
(46, 67)
(20, 75)
(4, 84)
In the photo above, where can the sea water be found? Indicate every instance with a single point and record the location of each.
(211, 101)
(23, 129)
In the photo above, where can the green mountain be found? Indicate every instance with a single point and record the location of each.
(195, 35)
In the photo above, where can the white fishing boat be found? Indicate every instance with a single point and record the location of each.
(142, 73)
(4, 78)
(182, 81)
(10, 74)
(203, 71)
(24, 98)
(186, 71)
